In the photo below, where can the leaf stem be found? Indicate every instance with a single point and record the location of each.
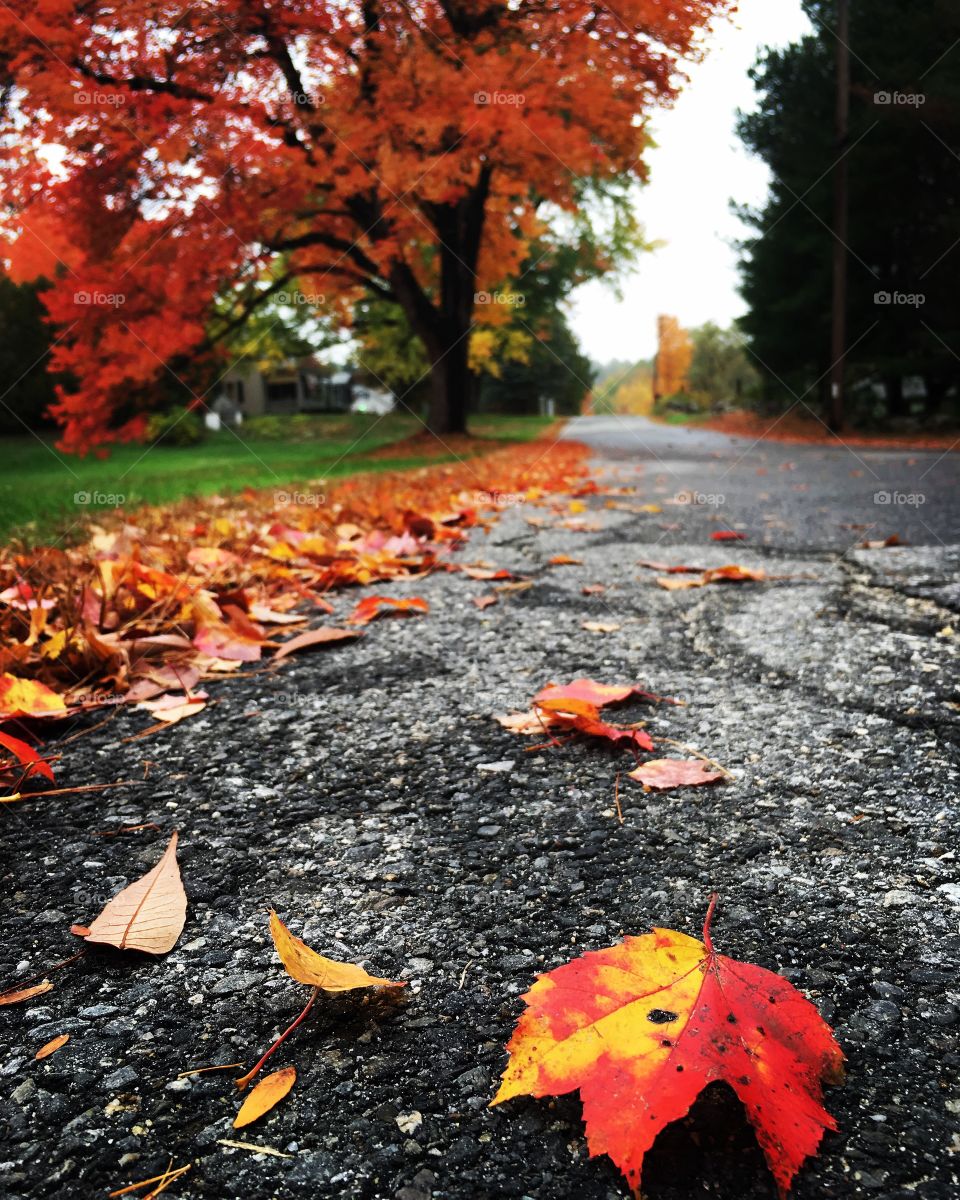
(711, 908)
(245, 1079)
(42, 974)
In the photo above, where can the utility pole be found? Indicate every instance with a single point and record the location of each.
(838, 343)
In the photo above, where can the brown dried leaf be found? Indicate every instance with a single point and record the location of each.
(315, 637)
(147, 915)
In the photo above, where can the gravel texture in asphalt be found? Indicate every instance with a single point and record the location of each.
(367, 794)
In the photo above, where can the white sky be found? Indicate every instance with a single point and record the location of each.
(699, 165)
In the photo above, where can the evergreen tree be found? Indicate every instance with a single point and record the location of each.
(903, 156)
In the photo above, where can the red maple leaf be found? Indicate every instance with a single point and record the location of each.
(643, 1027)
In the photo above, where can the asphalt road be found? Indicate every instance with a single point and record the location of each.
(792, 494)
(367, 794)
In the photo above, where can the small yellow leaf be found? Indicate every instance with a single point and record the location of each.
(307, 966)
(52, 1046)
(266, 1095)
(55, 646)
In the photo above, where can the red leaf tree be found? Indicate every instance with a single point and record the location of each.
(158, 153)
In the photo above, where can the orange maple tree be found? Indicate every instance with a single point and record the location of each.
(408, 149)
(674, 355)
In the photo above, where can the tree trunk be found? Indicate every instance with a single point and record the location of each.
(451, 390)
(896, 401)
(444, 327)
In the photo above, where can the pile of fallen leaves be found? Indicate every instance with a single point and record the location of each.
(144, 611)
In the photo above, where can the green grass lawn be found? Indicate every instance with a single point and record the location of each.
(46, 495)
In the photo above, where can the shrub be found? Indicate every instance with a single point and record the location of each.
(177, 427)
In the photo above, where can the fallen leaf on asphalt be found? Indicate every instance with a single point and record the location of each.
(171, 709)
(252, 1146)
(52, 1046)
(487, 573)
(727, 535)
(594, 589)
(634, 508)
(671, 584)
(564, 560)
(643, 1027)
(268, 616)
(378, 606)
(600, 626)
(80, 930)
(525, 722)
(661, 774)
(734, 574)
(522, 585)
(26, 756)
(600, 694)
(314, 638)
(485, 601)
(652, 565)
(212, 558)
(728, 574)
(579, 525)
(307, 966)
(579, 716)
(236, 639)
(28, 993)
(148, 914)
(266, 1095)
(28, 698)
(892, 540)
